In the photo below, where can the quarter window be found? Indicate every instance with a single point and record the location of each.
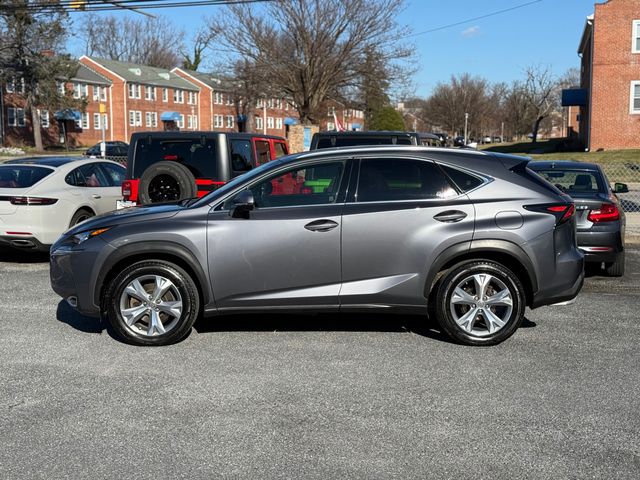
(401, 179)
(464, 181)
(308, 185)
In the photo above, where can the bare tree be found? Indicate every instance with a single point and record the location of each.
(30, 55)
(200, 44)
(150, 41)
(309, 49)
(541, 93)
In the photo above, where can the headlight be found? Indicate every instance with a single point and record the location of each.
(78, 238)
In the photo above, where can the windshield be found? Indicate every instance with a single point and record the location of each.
(574, 182)
(228, 187)
(21, 176)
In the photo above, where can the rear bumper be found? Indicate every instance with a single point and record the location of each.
(565, 284)
(23, 242)
(600, 246)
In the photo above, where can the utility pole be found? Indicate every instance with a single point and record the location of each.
(466, 123)
(502, 133)
(264, 117)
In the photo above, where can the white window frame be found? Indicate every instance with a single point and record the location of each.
(44, 118)
(147, 119)
(12, 117)
(635, 35)
(279, 123)
(632, 110)
(165, 94)
(149, 93)
(80, 90)
(86, 124)
(270, 122)
(62, 88)
(218, 121)
(10, 87)
(135, 118)
(218, 98)
(258, 123)
(97, 121)
(229, 99)
(260, 103)
(178, 96)
(181, 121)
(134, 90)
(230, 121)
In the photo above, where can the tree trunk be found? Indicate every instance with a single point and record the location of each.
(536, 127)
(37, 131)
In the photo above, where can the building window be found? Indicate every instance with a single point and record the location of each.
(279, 123)
(331, 126)
(634, 108)
(83, 122)
(15, 117)
(229, 99)
(229, 121)
(278, 103)
(134, 90)
(270, 122)
(149, 93)
(99, 93)
(44, 118)
(165, 94)
(192, 122)
(218, 121)
(135, 118)
(11, 86)
(260, 103)
(635, 29)
(258, 123)
(97, 121)
(62, 89)
(178, 96)
(218, 98)
(181, 121)
(80, 90)
(192, 99)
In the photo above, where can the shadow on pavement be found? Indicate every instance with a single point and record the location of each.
(22, 256)
(68, 315)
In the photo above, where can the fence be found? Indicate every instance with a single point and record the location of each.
(628, 173)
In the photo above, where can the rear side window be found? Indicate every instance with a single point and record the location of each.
(241, 155)
(198, 155)
(115, 174)
(90, 175)
(280, 149)
(21, 176)
(464, 181)
(262, 151)
(401, 179)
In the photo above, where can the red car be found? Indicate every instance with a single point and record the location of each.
(172, 166)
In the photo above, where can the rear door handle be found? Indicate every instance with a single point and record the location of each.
(321, 225)
(450, 216)
(96, 196)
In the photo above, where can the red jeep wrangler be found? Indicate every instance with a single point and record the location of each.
(172, 166)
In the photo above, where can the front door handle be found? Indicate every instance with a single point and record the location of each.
(96, 196)
(450, 216)
(321, 225)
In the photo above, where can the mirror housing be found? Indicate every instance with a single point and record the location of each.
(242, 204)
(620, 188)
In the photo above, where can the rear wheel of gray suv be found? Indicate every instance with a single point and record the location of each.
(479, 302)
(152, 302)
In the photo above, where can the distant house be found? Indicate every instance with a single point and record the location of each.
(609, 93)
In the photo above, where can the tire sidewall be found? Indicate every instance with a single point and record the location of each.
(182, 281)
(182, 175)
(445, 290)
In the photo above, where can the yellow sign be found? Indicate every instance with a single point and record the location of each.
(78, 4)
(103, 108)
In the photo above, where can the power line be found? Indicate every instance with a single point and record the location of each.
(99, 5)
(462, 22)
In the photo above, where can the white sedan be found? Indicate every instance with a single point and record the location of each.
(40, 198)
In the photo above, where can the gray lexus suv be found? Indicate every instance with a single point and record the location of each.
(467, 237)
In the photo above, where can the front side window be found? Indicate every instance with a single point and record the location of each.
(634, 107)
(389, 179)
(308, 185)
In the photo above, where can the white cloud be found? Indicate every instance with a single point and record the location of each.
(471, 31)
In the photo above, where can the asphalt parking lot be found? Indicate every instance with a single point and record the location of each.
(319, 396)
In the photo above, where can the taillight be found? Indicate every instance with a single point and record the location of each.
(562, 211)
(606, 213)
(32, 201)
(126, 189)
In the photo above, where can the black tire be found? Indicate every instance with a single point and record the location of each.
(615, 269)
(188, 294)
(444, 289)
(166, 181)
(80, 216)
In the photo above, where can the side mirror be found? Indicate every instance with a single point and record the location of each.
(242, 204)
(620, 188)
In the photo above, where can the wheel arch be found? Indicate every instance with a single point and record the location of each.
(167, 251)
(501, 251)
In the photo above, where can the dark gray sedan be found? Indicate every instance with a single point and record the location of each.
(599, 216)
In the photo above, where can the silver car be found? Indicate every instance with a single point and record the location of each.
(467, 237)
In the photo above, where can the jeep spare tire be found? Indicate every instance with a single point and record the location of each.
(166, 182)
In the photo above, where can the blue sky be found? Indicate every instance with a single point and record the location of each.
(497, 48)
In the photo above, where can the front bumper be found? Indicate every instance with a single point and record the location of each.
(74, 271)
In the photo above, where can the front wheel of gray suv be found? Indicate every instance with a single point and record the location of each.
(479, 302)
(152, 302)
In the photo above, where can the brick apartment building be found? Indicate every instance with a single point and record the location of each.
(609, 94)
(136, 98)
(349, 118)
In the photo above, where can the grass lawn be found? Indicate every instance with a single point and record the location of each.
(545, 150)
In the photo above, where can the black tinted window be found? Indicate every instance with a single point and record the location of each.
(21, 176)
(330, 142)
(241, 155)
(115, 174)
(400, 179)
(90, 175)
(464, 181)
(198, 156)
